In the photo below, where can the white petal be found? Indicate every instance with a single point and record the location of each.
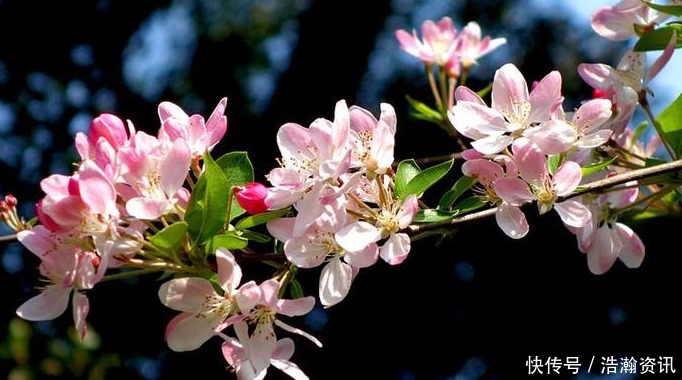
(49, 304)
(335, 281)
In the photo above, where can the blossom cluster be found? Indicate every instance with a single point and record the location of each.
(138, 203)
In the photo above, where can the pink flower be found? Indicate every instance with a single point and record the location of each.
(513, 112)
(620, 22)
(68, 270)
(624, 84)
(604, 239)
(536, 184)
(201, 136)
(252, 198)
(106, 136)
(237, 353)
(439, 41)
(470, 46)
(203, 311)
(372, 140)
(155, 171)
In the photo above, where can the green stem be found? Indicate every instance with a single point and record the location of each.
(8, 238)
(432, 84)
(645, 105)
(129, 274)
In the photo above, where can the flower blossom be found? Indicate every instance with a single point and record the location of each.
(514, 113)
(621, 21)
(203, 311)
(471, 47)
(438, 44)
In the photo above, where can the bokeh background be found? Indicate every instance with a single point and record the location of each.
(475, 306)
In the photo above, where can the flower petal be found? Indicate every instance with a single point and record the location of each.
(185, 294)
(395, 249)
(49, 304)
(632, 253)
(511, 220)
(187, 332)
(335, 281)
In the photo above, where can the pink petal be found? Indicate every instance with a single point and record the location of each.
(395, 249)
(216, 125)
(187, 332)
(513, 191)
(38, 241)
(49, 304)
(552, 137)
(173, 167)
(361, 120)
(80, 308)
(289, 368)
(388, 116)
(509, 90)
(247, 297)
(169, 110)
(632, 253)
(96, 190)
(261, 346)
(294, 141)
(613, 24)
(147, 208)
(603, 251)
(269, 292)
(407, 211)
(282, 229)
(592, 114)
(545, 97)
(663, 59)
(284, 349)
(300, 332)
(229, 272)
(573, 213)
(492, 144)
(597, 75)
(567, 178)
(407, 42)
(186, 294)
(511, 220)
(335, 281)
(476, 121)
(463, 93)
(363, 258)
(296, 307)
(485, 171)
(530, 162)
(356, 236)
(595, 139)
(305, 251)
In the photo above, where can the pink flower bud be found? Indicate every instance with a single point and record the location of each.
(252, 198)
(11, 200)
(109, 126)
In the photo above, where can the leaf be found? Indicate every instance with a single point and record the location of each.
(463, 184)
(432, 215)
(673, 10)
(255, 236)
(670, 121)
(469, 204)
(553, 163)
(589, 170)
(256, 220)
(229, 240)
(238, 172)
(423, 112)
(426, 178)
(295, 289)
(207, 206)
(169, 240)
(406, 171)
(659, 38)
(485, 90)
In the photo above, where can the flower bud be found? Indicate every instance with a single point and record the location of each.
(109, 126)
(252, 198)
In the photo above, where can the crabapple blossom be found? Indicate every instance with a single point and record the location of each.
(155, 171)
(199, 134)
(471, 47)
(237, 353)
(203, 311)
(438, 43)
(603, 238)
(623, 20)
(107, 134)
(625, 84)
(68, 268)
(537, 184)
(372, 140)
(514, 113)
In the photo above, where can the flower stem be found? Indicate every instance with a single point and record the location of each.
(645, 106)
(434, 87)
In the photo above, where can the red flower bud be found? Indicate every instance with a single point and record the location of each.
(252, 198)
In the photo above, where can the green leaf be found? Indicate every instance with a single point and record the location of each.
(463, 184)
(423, 112)
(207, 206)
(295, 289)
(659, 38)
(256, 220)
(639, 130)
(673, 10)
(653, 162)
(406, 171)
(469, 204)
(670, 121)
(589, 170)
(553, 163)
(255, 236)
(238, 172)
(426, 178)
(432, 215)
(485, 90)
(169, 240)
(229, 240)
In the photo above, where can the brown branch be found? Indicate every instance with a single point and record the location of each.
(590, 187)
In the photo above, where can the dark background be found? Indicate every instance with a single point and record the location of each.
(476, 306)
